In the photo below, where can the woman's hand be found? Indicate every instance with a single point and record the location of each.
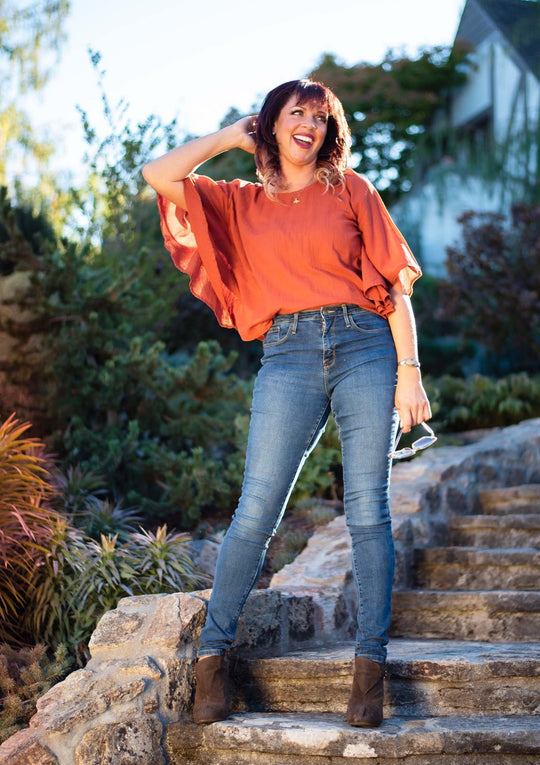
(246, 133)
(411, 400)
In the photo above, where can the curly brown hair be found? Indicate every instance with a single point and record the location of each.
(335, 151)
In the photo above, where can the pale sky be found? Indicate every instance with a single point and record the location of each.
(193, 60)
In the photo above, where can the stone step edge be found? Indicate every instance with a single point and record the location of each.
(525, 508)
(526, 494)
(471, 598)
(452, 660)
(527, 521)
(329, 735)
(476, 555)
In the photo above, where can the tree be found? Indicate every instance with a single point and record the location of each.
(30, 37)
(493, 287)
(389, 105)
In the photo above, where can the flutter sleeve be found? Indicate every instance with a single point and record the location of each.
(385, 258)
(200, 245)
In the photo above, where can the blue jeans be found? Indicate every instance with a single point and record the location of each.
(338, 359)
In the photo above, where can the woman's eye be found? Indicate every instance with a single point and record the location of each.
(322, 118)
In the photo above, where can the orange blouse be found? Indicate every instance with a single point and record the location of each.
(250, 257)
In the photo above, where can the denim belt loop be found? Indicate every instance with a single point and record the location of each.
(295, 323)
(346, 314)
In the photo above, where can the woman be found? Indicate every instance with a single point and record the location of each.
(310, 261)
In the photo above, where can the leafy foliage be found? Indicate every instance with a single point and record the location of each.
(443, 349)
(160, 429)
(103, 517)
(55, 579)
(30, 37)
(77, 490)
(83, 578)
(389, 105)
(113, 199)
(25, 675)
(164, 437)
(493, 287)
(32, 230)
(483, 402)
(27, 522)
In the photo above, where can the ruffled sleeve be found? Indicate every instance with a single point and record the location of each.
(385, 257)
(200, 244)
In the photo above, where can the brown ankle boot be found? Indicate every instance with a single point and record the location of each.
(211, 694)
(365, 709)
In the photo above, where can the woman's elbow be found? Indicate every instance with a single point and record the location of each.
(171, 190)
(148, 174)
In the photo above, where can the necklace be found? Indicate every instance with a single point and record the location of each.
(297, 195)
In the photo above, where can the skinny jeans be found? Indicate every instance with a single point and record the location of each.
(338, 359)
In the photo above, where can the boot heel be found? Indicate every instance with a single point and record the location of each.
(211, 692)
(365, 708)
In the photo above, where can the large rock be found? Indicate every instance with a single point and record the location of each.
(132, 742)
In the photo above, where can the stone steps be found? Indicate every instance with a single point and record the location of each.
(324, 738)
(424, 678)
(507, 530)
(463, 671)
(469, 568)
(515, 499)
(500, 615)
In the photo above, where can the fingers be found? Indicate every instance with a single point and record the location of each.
(413, 408)
(251, 124)
(246, 128)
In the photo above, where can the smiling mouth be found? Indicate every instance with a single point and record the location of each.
(304, 140)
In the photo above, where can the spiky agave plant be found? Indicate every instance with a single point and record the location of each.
(27, 522)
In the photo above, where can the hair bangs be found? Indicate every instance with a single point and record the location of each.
(311, 93)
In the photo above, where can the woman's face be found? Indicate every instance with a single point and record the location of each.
(300, 131)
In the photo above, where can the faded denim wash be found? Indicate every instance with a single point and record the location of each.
(338, 359)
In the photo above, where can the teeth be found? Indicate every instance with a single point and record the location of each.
(304, 139)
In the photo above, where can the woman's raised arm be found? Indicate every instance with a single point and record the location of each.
(167, 173)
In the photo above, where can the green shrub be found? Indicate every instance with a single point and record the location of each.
(77, 489)
(80, 500)
(25, 675)
(166, 438)
(483, 402)
(82, 578)
(104, 517)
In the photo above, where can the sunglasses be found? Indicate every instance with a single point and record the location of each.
(409, 451)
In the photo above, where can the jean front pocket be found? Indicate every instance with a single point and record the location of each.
(367, 321)
(279, 332)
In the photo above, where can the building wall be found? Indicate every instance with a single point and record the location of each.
(428, 214)
(475, 96)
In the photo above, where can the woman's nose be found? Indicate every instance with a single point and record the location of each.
(310, 121)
